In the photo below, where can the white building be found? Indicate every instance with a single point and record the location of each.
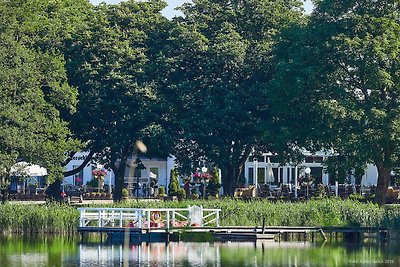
(159, 169)
(155, 168)
(287, 173)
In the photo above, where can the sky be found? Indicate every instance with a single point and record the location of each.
(169, 12)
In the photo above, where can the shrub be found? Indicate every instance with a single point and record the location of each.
(174, 187)
(93, 183)
(125, 192)
(214, 185)
(161, 191)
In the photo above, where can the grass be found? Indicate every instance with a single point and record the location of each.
(63, 219)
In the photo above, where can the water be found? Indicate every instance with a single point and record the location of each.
(47, 251)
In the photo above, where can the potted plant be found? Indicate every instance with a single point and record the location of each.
(125, 193)
(161, 192)
(99, 174)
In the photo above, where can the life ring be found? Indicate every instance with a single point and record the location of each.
(155, 216)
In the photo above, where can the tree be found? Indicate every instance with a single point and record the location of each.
(109, 63)
(35, 97)
(220, 63)
(338, 76)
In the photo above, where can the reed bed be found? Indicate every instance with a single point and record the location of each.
(63, 219)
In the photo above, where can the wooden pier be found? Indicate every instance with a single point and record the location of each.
(196, 223)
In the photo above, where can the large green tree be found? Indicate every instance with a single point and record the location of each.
(35, 98)
(111, 64)
(338, 83)
(220, 64)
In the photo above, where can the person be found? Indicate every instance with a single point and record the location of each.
(144, 189)
(186, 187)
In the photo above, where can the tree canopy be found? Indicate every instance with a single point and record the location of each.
(35, 97)
(220, 64)
(109, 63)
(338, 84)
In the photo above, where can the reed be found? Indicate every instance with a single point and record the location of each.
(63, 219)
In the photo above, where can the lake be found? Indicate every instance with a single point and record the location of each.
(57, 251)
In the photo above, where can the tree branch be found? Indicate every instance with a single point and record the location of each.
(84, 163)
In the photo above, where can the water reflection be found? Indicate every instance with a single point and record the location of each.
(70, 252)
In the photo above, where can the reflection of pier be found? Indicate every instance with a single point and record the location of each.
(150, 254)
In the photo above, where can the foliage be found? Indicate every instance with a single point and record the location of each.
(99, 174)
(29, 219)
(181, 194)
(125, 192)
(214, 185)
(93, 183)
(340, 89)
(108, 63)
(326, 212)
(35, 98)
(174, 186)
(161, 191)
(220, 64)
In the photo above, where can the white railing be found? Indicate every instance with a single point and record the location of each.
(148, 218)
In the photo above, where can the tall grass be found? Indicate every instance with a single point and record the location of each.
(29, 219)
(61, 218)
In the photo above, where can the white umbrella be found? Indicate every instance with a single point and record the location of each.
(27, 169)
(153, 175)
(270, 172)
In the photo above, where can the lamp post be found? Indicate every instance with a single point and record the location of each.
(307, 171)
(203, 171)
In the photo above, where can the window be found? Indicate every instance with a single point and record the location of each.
(314, 159)
(261, 175)
(250, 176)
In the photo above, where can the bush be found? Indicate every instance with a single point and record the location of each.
(93, 183)
(214, 185)
(181, 193)
(161, 191)
(174, 187)
(125, 192)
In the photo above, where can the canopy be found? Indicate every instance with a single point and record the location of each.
(27, 169)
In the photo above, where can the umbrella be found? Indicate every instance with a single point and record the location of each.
(27, 169)
(153, 175)
(270, 173)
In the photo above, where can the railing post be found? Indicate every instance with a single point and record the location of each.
(99, 219)
(120, 218)
(173, 217)
(139, 218)
(81, 219)
(167, 220)
(148, 219)
(112, 219)
(217, 219)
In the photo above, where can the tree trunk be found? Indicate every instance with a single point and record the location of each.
(54, 190)
(119, 173)
(230, 177)
(383, 182)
